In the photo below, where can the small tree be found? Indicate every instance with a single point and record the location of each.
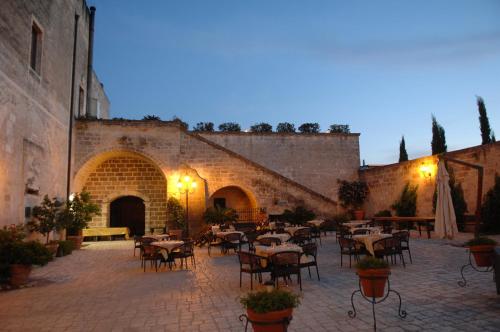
(261, 128)
(403, 155)
(78, 212)
(176, 215)
(229, 126)
(150, 118)
(340, 129)
(438, 142)
(285, 127)
(183, 124)
(484, 123)
(406, 205)
(204, 126)
(46, 217)
(309, 128)
(490, 210)
(353, 194)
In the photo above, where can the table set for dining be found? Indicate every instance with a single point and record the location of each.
(283, 237)
(267, 251)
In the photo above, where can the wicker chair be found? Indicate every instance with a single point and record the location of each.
(137, 243)
(285, 264)
(342, 231)
(251, 238)
(301, 236)
(213, 241)
(389, 247)
(184, 252)
(348, 247)
(149, 253)
(316, 234)
(309, 257)
(231, 241)
(404, 237)
(251, 263)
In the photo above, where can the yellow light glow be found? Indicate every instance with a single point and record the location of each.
(193, 184)
(425, 170)
(187, 178)
(179, 185)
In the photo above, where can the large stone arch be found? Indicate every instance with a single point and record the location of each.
(240, 199)
(116, 173)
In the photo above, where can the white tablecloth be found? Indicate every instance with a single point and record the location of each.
(354, 224)
(265, 251)
(292, 230)
(316, 222)
(368, 240)
(282, 237)
(167, 246)
(158, 237)
(372, 230)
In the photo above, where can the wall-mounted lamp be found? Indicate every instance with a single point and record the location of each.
(425, 171)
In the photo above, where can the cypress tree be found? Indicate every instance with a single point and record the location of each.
(403, 155)
(493, 138)
(484, 123)
(438, 143)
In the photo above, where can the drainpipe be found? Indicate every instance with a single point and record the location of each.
(90, 61)
(71, 109)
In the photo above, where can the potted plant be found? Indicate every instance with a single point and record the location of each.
(352, 196)
(482, 250)
(373, 274)
(219, 215)
(45, 220)
(269, 306)
(65, 248)
(176, 215)
(76, 215)
(22, 256)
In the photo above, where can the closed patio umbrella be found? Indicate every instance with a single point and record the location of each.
(446, 222)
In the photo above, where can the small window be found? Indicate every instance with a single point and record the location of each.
(220, 202)
(81, 101)
(36, 47)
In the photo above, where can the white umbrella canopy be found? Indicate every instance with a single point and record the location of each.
(446, 222)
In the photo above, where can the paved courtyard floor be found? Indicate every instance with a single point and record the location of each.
(103, 288)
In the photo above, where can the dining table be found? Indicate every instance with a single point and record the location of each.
(368, 239)
(291, 230)
(166, 247)
(355, 223)
(267, 251)
(157, 237)
(316, 222)
(371, 230)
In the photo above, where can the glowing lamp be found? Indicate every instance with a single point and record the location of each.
(425, 171)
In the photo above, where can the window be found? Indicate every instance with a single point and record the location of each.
(81, 101)
(36, 47)
(220, 202)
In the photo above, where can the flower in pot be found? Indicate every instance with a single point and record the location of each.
(46, 220)
(482, 250)
(22, 256)
(352, 196)
(265, 307)
(76, 215)
(373, 274)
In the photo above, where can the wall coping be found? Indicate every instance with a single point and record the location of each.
(244, 133)
(476, 148)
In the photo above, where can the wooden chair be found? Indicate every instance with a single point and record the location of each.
(231, 241)
(149, 253)
(316, 234)
(285, 264)
(348, 247)
(251, 263)
(251, 238)
(404, 237)
(389, 247)
(309, 257)
(213, 241)
(301, 236)
(184, 252)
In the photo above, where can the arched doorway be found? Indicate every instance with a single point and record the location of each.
(236, 198)
(128, 211)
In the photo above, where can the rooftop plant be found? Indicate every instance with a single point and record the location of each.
(261, 128)
(229, 127)
(309, 128)
(204, 127)
(264, 301)
(339, 129)
(285, 127)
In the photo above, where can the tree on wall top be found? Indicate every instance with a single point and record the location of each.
(261, 128)
(438, 143)
(229, 126)
(183, 124)
(285, 127)
(204, 126)
(403, 155)
(149, 117)
(309, 128)
(484, 123)
(339, 129)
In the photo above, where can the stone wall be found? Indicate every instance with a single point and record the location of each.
(313, 160)
(387, 182)
(124, 176)
(34, 106)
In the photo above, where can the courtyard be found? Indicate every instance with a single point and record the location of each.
(103, 288)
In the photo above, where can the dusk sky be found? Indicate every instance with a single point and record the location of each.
(383, 67)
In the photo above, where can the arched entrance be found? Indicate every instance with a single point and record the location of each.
(128, 211)
(236, 198)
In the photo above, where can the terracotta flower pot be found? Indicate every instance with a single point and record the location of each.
(483, 254)
(272, 316)
(76, 239)
(359, 214)
(19, 274)
(373, 281)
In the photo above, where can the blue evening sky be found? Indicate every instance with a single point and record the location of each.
(383, 67)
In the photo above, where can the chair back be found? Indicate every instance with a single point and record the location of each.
(246, 257)
(361, 232)
(285, 258)
(232, 237)
(310, 249)
(269, 241)
(346, 243)
(404, 236)
(148, 250)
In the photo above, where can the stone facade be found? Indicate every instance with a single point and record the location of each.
(176, 152)
(35, 103)
(387, 182)
(316, 161)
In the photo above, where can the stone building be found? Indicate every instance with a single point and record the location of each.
(44, 71)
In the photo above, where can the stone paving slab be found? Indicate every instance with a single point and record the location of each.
(103, 288)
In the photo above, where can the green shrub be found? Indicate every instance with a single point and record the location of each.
(490, 210)
(66, 247)
(8, 237)
(406, 205)
(219, 215)
(370, 262)
(299, 216)
(176, 215)
(29, 253)
(383, 213)
(261, 128)
(478, 241)
(353, 194)
(264, 301)
(285, 127)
